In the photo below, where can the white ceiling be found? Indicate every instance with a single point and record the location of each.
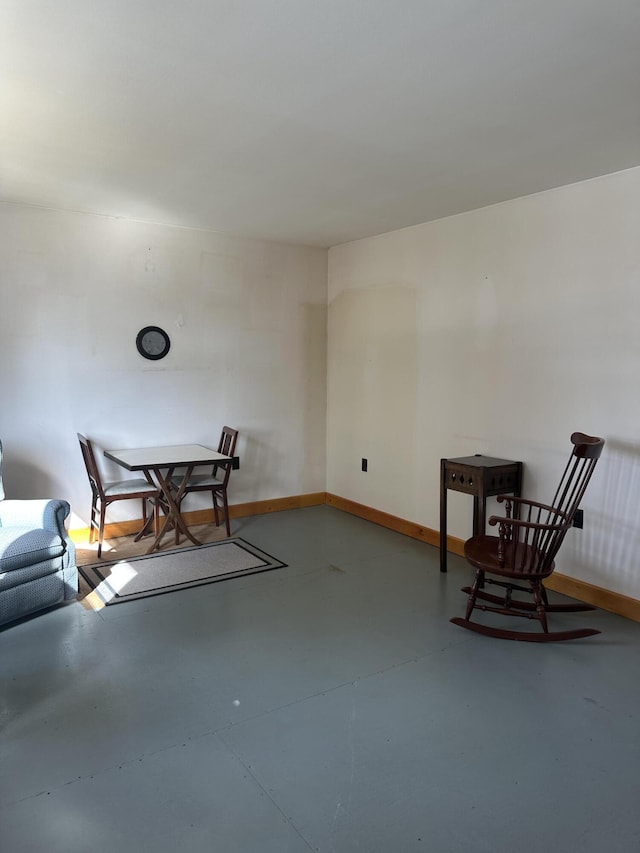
(311, 121)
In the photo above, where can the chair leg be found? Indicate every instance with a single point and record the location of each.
(226, 511)
(545, 598)
(478, 584)
(103, 512)
(541, 609)
(177, 531)
(215, 509)
(94, 512)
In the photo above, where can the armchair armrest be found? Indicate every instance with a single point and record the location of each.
(48, 514)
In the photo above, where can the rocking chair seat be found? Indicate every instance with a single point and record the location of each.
(482, 553)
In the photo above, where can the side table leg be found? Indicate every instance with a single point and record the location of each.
(443, 517)
(518, 487)
(480, 513)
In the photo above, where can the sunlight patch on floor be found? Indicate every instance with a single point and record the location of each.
(119, 576)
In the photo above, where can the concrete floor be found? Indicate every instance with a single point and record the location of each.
(327, 706)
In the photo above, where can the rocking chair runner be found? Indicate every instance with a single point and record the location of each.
(523, 553)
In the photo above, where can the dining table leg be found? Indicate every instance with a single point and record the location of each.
(171, 505)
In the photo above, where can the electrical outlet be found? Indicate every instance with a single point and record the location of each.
(364, 464)
(578, 519)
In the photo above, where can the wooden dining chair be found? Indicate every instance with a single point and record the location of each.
(104, 494)
(522, 555)
(215, 482)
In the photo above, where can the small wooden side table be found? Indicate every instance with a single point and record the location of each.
(480, 476)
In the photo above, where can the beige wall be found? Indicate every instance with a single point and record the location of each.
(247, 322)
(498, 331)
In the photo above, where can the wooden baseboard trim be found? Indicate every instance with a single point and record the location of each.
(278, 504)
(400, 525)
(80, 535)
(614, 602)
(205, 516)
(384, 519)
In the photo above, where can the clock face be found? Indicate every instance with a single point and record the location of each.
(153, 342)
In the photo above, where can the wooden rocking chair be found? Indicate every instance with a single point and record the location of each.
(523, 553)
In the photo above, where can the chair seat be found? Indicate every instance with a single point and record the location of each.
(24, 546)
(482, 553)
(129, 487)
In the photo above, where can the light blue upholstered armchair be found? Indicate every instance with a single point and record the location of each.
(37, 557)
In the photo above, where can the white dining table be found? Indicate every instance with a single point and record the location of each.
(158, 465)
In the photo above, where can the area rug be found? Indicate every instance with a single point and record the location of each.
(138, 577)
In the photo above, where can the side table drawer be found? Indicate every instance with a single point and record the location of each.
(459, 478)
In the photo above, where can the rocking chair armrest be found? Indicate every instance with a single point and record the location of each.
(517, 524)
(521, 505)
(534, 541)
(510, 525)
(520, 502)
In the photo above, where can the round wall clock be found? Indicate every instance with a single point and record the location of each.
(153, 342)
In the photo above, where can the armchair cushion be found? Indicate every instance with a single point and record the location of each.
(25, 546)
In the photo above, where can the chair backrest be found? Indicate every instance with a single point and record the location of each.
(226, 445)
(90, 464)
(587, 449)
(1, 486)
(559, 514)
